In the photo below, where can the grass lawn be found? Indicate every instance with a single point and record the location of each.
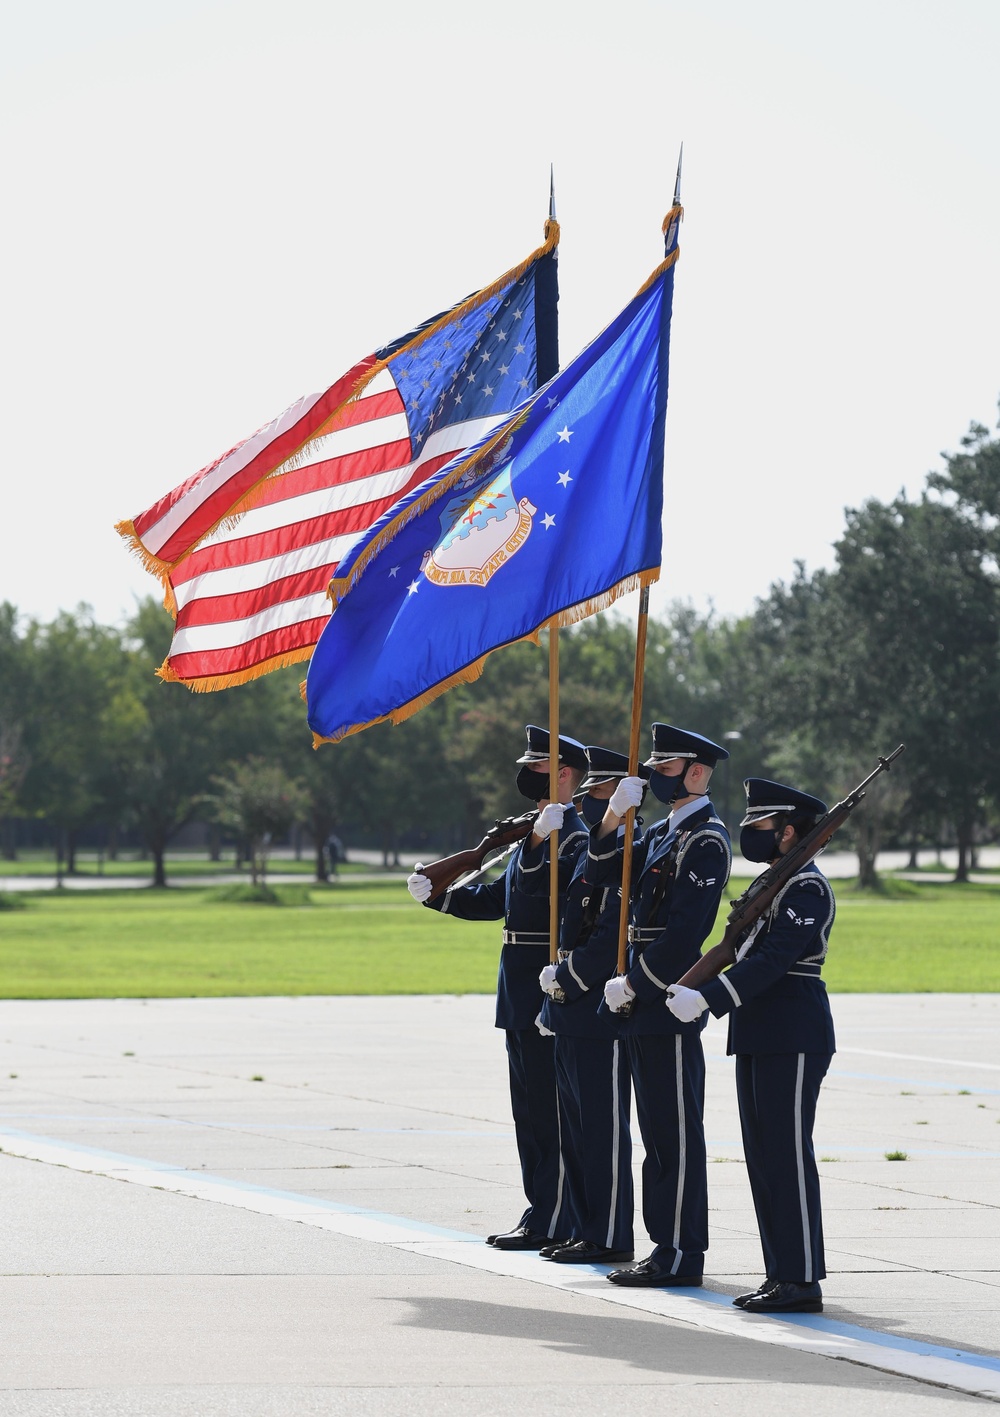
(146, 943)
(372, 939)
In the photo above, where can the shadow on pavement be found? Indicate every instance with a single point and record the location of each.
(653, 1345)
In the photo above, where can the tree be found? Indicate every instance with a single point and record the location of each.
(900, 642)
(326, 774)
(74, 669)
(170, 742)
(258, 801)
(14, 701)
(924, 594)
(972, 480)
(13, 766)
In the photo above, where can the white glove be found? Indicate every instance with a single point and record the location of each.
(547, 979)
(418, 884)
(545, 1032)
(550, 819)
(627, 794)
(618, 991)
(685, 1004)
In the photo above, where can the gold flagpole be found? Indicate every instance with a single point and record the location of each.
(633, 768)
(553, 789)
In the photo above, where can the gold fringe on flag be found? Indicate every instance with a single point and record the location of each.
(570, 616)
(674, 214)
(551, 241)
(459, 312)
(661, 269)
(210, 683)
(249, 499)
(152, 564)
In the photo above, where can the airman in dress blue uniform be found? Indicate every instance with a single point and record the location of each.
(680, 869)
(592, 1070)
(530, 1053)
(781, 1032)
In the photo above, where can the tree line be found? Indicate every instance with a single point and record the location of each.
(899, 641)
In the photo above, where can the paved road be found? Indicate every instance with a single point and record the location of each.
(231, 878)
(182, 1238)
(838, 865)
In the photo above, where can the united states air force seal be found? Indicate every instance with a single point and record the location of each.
(482, 527)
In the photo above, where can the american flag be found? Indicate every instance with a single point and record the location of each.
(247, 547)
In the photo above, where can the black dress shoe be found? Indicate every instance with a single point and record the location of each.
(586, 1252)
(741, 1299)
(520, 1239)
(647, 1274)
(492, 1239)
(785, 1298)
(550, 1247)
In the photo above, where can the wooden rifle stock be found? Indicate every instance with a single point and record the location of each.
(760, 895)
(445, 872)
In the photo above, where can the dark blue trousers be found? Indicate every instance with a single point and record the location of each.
(668, 1075)
(777, 1095)
(534, 1102)
(594, 1102)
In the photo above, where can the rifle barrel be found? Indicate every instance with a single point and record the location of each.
(884, 765)
(758, 896)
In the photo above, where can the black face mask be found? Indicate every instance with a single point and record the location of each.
(592, 810)
(667, 789)
(533, 785)
(759, 845)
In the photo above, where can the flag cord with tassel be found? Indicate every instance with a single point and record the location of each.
(554, 789)
(633, 768)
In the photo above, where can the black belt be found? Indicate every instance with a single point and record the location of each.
(526, 937)
(644, 934)
(811, 971)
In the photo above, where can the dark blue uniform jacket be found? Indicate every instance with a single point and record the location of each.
(678, 879)
(774, 995)
(588, 945)
(519, 994)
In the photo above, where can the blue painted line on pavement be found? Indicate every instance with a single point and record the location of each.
(819, 1323)
(118, 1159)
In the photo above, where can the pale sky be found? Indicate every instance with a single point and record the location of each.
(215, 207)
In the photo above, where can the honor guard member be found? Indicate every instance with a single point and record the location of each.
(680, 869)
(592, 1070)
(781, 1031)
(530, 1054)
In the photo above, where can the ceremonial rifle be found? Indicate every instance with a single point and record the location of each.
(760, 895)
(472, 864)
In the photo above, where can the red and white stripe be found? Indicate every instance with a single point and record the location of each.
(178, 521)
(254, 593)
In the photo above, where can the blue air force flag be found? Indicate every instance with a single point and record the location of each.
(547, 520)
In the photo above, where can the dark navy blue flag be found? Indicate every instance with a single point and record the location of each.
(549, 519)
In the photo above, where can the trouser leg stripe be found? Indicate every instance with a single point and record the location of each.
(551, 1232)
(681, 1156)
(615, 1143)
(800, 1163)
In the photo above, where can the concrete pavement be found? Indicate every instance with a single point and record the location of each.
(181, 1237)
